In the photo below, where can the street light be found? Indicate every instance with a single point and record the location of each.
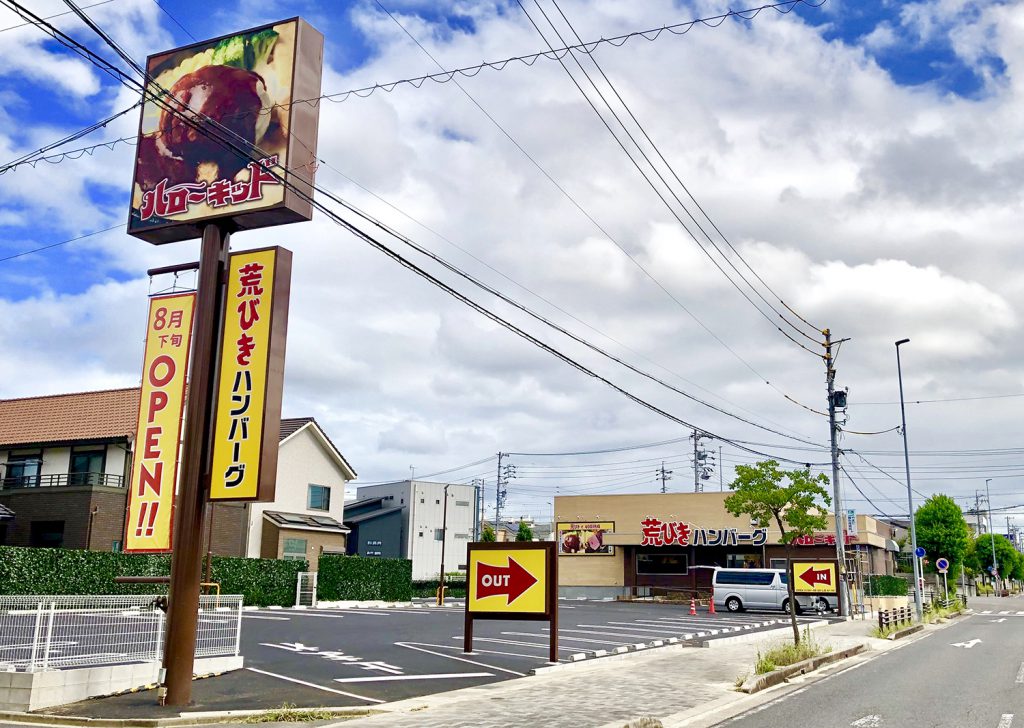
(910, 493)
(991, 536)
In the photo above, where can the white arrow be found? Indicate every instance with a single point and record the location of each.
(868, 721)
(997, 621)
(966, 645)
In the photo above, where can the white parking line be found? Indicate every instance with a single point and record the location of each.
(1020, 674)
(490, 652)
(541, 645)
(1005, 721)
(562, 637)
(419, 647)
(314, 685)
(439, 676)
(248, 615)
(621, 633)
(645, 628)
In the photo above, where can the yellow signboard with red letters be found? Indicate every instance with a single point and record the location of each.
(815, 577)
(150, 518)
(248, 417)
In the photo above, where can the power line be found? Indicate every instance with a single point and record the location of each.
(949, 399)
(62, 242)
(57, 15)
(168, 14)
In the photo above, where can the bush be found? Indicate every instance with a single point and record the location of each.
(887, 586)
(262, 582)
(428, 588)
(789, 654)
(358, 578)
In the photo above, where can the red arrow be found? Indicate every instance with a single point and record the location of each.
(812, 577)
(511, 580)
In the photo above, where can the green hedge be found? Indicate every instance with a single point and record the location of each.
(428, 588)
(887, 586)
(262, 582)
(358, 578)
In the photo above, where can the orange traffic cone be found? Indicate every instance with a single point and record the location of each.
(711, 604)
(693, 607)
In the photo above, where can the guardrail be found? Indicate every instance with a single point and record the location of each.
(62, 631)
(894, 617)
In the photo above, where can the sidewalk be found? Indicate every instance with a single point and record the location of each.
(608, 692)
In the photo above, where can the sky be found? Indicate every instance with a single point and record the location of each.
(860, 161)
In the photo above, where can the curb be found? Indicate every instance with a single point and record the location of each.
(226, 716)
(754, 636)
(906, 631)
(781, 675)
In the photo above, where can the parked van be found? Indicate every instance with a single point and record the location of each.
(739, 589)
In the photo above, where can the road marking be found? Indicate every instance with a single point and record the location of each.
(413, 646)
(246, 615)
(541, 645)
(966, 645)
(868, 721)
(439, 676)
(1020, 674)
(987, 611)
(621, 633)
(490, 652)
(1005, 721)
(314, 685)
(563, 637)
(632, 629)
(998, 621)
(1005, 613)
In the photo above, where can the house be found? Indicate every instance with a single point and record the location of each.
(425, 522)
(375, 528)
(65, 461)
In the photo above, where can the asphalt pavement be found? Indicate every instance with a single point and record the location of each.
(970, 674)
(368, 656)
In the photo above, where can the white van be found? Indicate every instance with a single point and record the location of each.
(739, 589)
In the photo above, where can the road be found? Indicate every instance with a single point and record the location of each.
(970, 674)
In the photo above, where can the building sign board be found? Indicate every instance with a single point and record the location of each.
(247, 421)
(822, 539)
(150, 514)
(851, 521)
(516, 580)
(814, 577)
(224, 121)
(656, 532)
(584, 538)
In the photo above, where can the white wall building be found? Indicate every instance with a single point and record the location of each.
(423, 518)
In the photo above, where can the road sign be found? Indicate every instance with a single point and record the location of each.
(817, 577)
(919, 552)
(516, 580)
(942, 565)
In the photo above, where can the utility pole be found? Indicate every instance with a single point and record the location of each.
(837, 495)
(444, 540)
(478, 504)
(665, 475)
(991, 533)
(497, 498)
(721, 485)
(918, 576)
(699, 457)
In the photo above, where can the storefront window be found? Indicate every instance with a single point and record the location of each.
(662, 564)
(742, 561)
(778, 564)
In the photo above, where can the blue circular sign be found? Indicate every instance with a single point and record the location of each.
(919, 552)
(942, 564)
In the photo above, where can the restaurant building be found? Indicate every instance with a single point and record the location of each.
(622, 545)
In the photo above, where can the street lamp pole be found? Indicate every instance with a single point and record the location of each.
(910, 493)
(991, 536)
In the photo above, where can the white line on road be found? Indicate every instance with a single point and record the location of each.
(1005, 721)
(544, 646)
(413, 646)
(439, 676)
(477, 650)
(246, 615)
(998, 621)
(1020, 674)
(564, 637)
(620, 633)
(314, 685)
(868, 721)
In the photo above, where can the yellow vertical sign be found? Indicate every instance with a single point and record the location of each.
(251, 369)
(150, 518)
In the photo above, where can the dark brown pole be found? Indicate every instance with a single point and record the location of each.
(187, 559)
(209, 545)
(444, 540)
(553, 600)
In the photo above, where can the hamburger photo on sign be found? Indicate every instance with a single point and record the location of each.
(584, 538)
(222, 123)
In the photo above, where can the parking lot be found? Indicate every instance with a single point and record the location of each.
(366, 656)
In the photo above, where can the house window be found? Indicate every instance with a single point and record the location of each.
(87, 464)
(423, 500)
(319, 498)
(462, 503)
(23, 470)
(46, 534)
(439, 534)
(437, 502)
(462, 535)
(294, 549)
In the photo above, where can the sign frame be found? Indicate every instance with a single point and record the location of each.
(299, 166)
(273, 381)
(550, 613)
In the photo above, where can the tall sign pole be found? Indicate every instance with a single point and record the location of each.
(837, 494)
(187, 559)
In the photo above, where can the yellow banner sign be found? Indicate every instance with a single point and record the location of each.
(248, 416)
(150, 517)
(512, 580)
(815, 576)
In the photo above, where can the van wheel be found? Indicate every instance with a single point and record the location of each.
(733, 604)
(785, 607)
(823, 605)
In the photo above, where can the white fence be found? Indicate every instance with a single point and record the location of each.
(46, 632)
(305, 589)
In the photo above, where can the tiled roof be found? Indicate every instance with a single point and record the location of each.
(103, 415)
(304, 521)
(292, 425)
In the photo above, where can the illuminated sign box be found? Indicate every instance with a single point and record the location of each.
(222, 120)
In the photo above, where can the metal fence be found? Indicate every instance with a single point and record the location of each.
(61, 631)
(305, 589)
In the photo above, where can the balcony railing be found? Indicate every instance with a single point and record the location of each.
(61, 480)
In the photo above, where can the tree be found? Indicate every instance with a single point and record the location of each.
(1006, 555)
(488, 535)
(525, 533)
(760, 493)
(943, 532)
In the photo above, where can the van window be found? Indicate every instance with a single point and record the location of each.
(745, 577)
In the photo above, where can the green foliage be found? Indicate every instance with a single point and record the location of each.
(789, 653)
(488, 535)
(455, 586)
(525, 533)
(887, 586)
(262, 582)
(288, 713)
(794, 507)
(943, 532)
(357, 578)
(1008, 559)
